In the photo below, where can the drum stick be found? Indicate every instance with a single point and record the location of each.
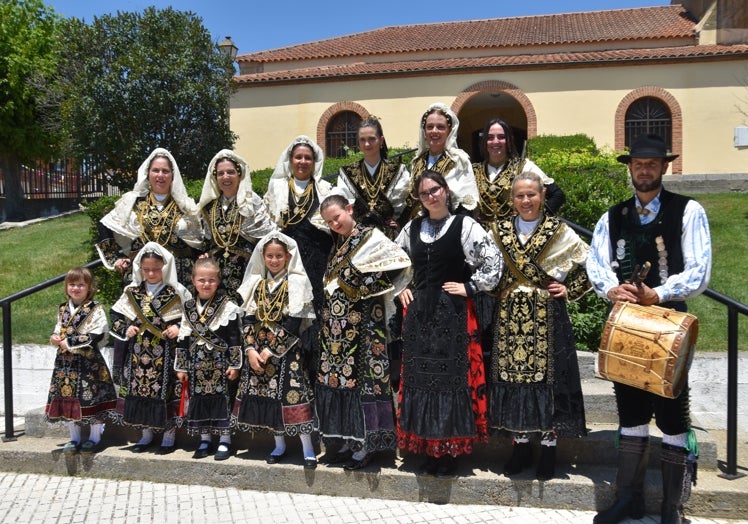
(642, 274)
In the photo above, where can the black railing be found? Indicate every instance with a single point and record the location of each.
(61, 179)
(733, 308)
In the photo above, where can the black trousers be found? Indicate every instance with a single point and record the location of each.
(636, 407)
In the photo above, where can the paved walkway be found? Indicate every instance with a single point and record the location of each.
(47, 499)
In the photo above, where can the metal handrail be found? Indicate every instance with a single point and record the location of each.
(5, 303)
(733, 308)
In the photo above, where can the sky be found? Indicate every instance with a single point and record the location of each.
(259, 25)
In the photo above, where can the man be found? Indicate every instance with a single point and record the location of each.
(670, 231)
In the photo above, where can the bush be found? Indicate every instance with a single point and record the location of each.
(593, 180)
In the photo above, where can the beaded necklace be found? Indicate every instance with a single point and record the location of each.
(224, 225)
(157, 226)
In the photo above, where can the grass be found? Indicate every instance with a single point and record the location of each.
(47, 249)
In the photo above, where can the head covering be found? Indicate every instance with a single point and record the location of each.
(276, 197)
(299, 287)
(459, 156)
(169, 271)
(647, 146)
(210, 184)
(118, 218)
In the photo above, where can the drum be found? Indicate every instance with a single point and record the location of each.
(648, 347)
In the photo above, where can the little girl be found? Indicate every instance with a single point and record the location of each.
(209, 355)
(274, 391)
(81, 392)
(147, 317)
(353, 395)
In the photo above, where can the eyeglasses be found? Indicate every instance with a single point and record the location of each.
(433, 192)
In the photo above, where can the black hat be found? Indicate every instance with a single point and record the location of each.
(647, 146)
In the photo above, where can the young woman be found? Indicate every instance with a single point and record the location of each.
(234, 217)
(377, 186)
(535, 385)
(442, 408)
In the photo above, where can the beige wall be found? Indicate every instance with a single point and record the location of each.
(567, 101)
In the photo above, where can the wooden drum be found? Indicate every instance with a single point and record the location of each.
(648, 347)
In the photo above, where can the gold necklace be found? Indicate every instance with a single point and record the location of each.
(230, 222)
(157, 226)
(270, 308)
(371, 187)
(302, 204)
(494, 201)
(204, 314)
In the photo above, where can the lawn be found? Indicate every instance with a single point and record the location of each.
(47, 249)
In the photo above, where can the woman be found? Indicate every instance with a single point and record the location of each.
(535, 385)
(234, 217)
(494, 176)
(294, 193)
(157, 209)
(377, 186)
(353, 391)
(442, 405)
(438, 151)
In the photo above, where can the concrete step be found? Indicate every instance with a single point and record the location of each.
(578, 485)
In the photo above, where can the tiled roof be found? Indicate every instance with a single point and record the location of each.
(494, 63)
(649, 23)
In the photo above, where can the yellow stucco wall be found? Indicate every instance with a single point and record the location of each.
(710, 96)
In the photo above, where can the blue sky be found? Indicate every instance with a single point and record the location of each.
(257, 25)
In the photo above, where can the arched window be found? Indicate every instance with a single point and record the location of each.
(649, 115)
(341, 134)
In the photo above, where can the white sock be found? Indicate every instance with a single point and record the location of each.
(678, 441)
(95, 433)
(225, 439)
(169, 437)
(636, 431)
(280, 445)
(146, 437)
(204, 440)
(306, 444)
(359, 455)
(521, 440)
(75, 431)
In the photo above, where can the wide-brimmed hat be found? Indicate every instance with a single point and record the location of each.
(648, 146)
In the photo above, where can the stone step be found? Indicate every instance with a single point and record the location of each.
(578, 485)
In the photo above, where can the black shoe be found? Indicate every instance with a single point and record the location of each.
(521, 458)
(165, 450)
(90, 446)
(447, 466)
(310, 463)
(353, 464)
(429, 467)
(71, 448)
(140, 448)
(202, 451)
(223, 452)
(275, 459)
(622, 509)
(337, 457)
(547, 463)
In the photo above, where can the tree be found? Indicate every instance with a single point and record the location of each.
(131, 82)
(27, 38)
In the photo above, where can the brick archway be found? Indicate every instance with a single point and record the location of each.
(675, 113)
(330, 113)
(494, 86)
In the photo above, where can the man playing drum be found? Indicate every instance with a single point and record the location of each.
(672, 233)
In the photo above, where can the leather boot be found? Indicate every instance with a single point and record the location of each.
(547, 463)
(521, 458)
(633, 457)
(676, 483)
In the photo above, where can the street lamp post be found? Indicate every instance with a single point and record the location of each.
(228, 48)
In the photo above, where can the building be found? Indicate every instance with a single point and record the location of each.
(679, 70)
